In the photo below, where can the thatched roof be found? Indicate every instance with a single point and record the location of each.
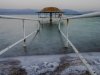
(50, 10)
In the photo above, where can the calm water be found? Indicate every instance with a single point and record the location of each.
(83, 33)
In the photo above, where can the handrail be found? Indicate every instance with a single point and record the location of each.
(6, 49)
(90, 69)
(94, 14)
(80, 56)
(83, 60)
(20, 18)
(24, 39)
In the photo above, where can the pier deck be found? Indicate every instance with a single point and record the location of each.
(47, 41)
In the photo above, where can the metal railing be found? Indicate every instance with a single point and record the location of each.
(20, 18)
(95, 14)
(23, 39)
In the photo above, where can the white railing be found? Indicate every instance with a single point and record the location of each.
(95, 14)
(23, 39)
(80, 56)
(20, 18)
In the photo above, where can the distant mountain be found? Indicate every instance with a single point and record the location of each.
(73, 12)
(33, 11)
(70, 12)
(18, 11)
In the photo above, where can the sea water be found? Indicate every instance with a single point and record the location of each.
(83, 33)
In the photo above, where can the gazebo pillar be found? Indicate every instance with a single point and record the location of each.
(50, 18)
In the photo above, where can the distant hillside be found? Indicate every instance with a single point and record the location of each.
(33, 11)
(70, 12)
(73, 12)
(18, 11)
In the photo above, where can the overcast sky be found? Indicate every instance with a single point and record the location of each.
(78, 5)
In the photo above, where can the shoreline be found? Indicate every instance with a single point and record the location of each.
(56, 64)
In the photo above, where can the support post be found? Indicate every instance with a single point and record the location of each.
(38, 25)
(59, 25)
(67, 33)
(24, 33)
(50, 18)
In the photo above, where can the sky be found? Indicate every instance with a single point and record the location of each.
(78, 5)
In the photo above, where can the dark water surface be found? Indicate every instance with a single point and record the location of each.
(83, 33)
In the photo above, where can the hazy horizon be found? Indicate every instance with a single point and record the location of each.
(77, 5)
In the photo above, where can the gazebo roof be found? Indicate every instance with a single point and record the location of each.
(50, 10)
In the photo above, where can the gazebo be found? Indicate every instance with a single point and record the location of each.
(51, 11)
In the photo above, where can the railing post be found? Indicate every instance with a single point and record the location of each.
(67, 33)
(59, 25)
(38, 25)
(24, 33)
